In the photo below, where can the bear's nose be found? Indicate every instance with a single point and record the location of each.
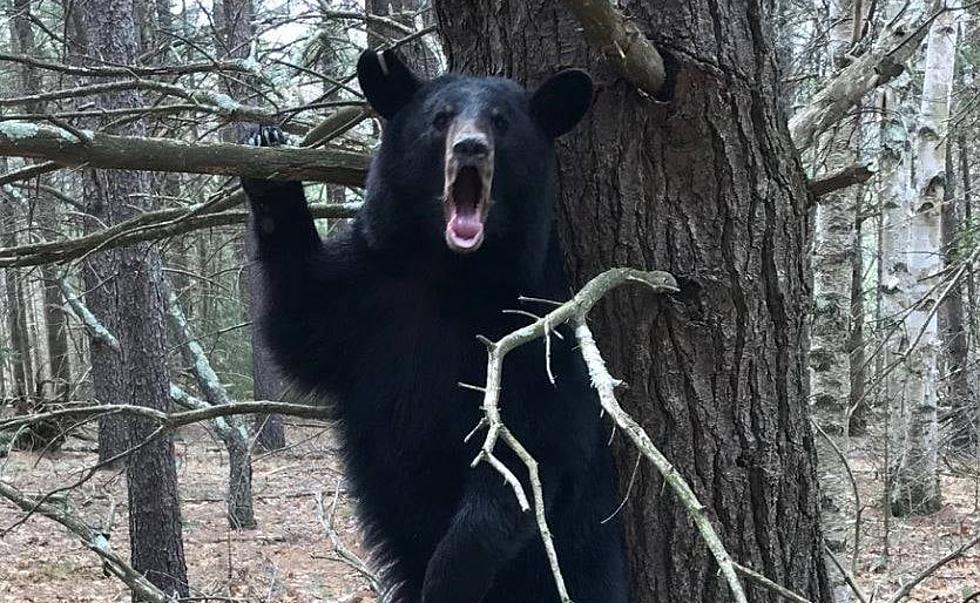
(472, 146)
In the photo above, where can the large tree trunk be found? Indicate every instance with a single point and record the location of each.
(707, 186)
(134, 311)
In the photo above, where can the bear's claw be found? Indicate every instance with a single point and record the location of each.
(265, 136)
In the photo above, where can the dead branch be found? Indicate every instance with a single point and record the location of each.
(92, 325)
(346, 555)
(93, 540)
(842, 178)
(575, 309)
(170, 421)
(907, 587)
(148, 227)
(106, 151)
(234, 65)
(605, 385)
(760, 580)
(203, 99)
(848, 577)
(621, 42)
(28, 172)
(882, 63)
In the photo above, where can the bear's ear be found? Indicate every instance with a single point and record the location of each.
(561, 101)
(386, 81)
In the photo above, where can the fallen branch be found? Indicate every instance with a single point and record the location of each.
(621, 42)
(93, 540)
(882, 63)
(907, 587)
(107, 151)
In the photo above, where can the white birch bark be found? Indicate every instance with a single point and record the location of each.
(913, 286)
(830, 381)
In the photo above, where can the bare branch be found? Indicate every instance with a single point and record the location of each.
(92, 325)
(28, 172)
(205, 100)
(574, 309)
(621, 42)
(605, 385)
(345, 554)
(908, 586)
(106, 151)
(148, 227)
(239, 65)
(760, 580)
(883, 62)
(173, 420)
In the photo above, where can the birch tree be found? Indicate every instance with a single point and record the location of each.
(914, 288)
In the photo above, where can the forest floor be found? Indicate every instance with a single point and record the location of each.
(290, 558)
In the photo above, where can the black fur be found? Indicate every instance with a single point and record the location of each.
(382, 319)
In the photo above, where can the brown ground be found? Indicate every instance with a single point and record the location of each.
(290, 558)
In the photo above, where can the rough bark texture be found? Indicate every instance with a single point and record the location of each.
(133, 310)
(717, 374)
(952, 325)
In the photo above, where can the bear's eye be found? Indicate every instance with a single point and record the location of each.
(499, 121)
(442, 118)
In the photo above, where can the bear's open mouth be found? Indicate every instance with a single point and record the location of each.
(467, 199)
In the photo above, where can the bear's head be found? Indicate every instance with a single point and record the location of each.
(465, 164)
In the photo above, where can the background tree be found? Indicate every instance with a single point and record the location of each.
(130, 289)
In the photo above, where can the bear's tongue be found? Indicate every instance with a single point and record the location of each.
(464, 229)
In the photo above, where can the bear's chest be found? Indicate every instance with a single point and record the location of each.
(414, 351)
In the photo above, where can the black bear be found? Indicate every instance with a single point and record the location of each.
(382, 320)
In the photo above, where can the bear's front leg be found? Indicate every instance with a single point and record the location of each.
(281, 220)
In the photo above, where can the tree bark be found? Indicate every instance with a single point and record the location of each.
(54, 317)
(133, 309)
(22, 367)
(717, 374)
(412, 13)
(106, 151)
(960, 429)
(916, 260)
